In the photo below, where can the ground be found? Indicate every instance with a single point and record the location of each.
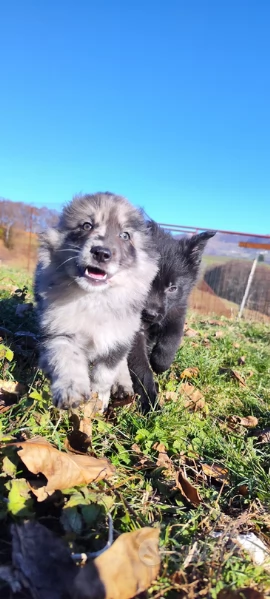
(197, 466)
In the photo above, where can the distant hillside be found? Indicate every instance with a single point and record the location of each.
(19, 225)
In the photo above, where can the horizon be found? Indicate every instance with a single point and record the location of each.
(166, 105)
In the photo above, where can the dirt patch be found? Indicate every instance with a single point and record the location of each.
(207, 303)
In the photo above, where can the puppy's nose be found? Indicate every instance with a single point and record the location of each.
(101, 254)
(150, 315)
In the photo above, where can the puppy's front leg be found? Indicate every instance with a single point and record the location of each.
(141, 374)
(123, 385)
(102, 380)
(66, 366)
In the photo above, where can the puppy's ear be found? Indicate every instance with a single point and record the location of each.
(50, 239)
(49, 242)
(195, 246)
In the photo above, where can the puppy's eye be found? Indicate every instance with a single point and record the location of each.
(125, 235)
(87, 226)
(171, 289)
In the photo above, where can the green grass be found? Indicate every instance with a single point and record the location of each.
(141, 491)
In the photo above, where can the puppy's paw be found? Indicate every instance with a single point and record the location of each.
(103, 401)
(148, 396)
(122, 391)
(70, 396)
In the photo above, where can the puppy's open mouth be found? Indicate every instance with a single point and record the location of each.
(96, 274)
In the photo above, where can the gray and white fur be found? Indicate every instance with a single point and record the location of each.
(93, 276)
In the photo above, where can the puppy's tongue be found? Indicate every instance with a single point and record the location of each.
(95, 273)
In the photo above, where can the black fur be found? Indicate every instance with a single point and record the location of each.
(163, 318)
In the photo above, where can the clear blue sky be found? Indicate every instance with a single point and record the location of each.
(166, 102)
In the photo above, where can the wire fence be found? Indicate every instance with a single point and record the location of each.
(235, 273)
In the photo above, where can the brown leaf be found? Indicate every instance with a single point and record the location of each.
(171, 395)
(195, 399)
(237, 345)
(12, 387)
(243, 490)
(217, 472)
(79, 439)
(136, 448)
(62, 470)
(163, 458)
(187, 489)
(245, 593)
(206, 342)
(242, 360)
(126, 569)
(159, 446)
(190, 333)
(249, 421)
(9, 394)
(219, 334)
(189, 373)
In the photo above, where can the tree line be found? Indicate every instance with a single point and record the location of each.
(27, 218)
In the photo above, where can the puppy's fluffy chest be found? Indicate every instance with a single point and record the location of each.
(92, 322)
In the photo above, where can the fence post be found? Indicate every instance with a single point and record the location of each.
(250, 278)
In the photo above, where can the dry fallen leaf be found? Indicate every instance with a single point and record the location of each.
(190, 333)
(126, 569)
(135, 447)
(195, 399)
(189, 373)
(171, 395)
(80, 437)
(249, 421)
(9, 394)
(243, 490)
(187, 489)
(219, 334)
(237, 345)
(245, 593)
(163, 458)
(11, 387)
(217, 472)
(62, 470)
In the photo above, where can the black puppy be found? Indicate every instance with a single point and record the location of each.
(163, 318)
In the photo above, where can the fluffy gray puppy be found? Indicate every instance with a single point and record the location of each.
(93, 276)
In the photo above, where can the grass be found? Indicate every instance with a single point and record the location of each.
(187, 435)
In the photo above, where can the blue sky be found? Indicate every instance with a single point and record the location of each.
(167, 103)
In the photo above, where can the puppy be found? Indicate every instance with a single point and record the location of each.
(93, 276)
(163, 317)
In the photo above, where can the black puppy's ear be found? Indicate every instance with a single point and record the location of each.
(195, 246)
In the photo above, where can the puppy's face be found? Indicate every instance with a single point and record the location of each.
(100, 238)
(178, 270)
